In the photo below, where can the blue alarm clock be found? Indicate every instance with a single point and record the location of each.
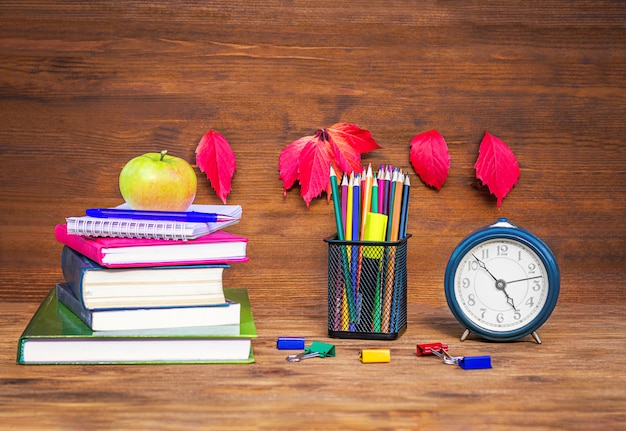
(502, 283)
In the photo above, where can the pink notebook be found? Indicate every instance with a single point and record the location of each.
(217, 247)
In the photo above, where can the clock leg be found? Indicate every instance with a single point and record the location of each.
(536, 337)
(465, 334)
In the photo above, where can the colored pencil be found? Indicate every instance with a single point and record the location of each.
(404, 212)
(397, 205)
(379, 181)
(344, 199)
(367, 200)
(336, 203)
(383, 185)
(392, 196)
(356, 207)
(349, 208)
(374, 195)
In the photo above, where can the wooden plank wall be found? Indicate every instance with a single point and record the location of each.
(85, 86)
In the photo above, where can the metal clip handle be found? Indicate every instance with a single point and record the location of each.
(300, 356)
(447, 358)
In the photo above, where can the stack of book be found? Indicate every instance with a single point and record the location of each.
(144, 291)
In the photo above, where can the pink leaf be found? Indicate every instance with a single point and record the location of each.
(308, 159)
(430, 158)
(496, 166)
(215, 158)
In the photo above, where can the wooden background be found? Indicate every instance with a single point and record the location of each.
(85, 86)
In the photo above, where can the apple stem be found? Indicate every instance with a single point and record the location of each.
(163, 153)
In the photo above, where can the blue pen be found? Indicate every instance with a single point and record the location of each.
(191, 216)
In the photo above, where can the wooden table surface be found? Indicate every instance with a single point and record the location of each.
(574, 380)
(85, 86)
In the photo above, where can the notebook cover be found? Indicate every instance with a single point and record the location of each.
(95, 248)
(53, 321)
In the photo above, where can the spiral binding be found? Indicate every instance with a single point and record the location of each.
(114, 228)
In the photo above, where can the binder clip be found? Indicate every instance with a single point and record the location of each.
(290, 343)
(370, 356)
(427, 349)
(465, 362)
(317, 349)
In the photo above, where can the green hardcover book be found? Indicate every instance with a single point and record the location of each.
(55, 335)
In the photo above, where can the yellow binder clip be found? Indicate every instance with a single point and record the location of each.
(370, 356)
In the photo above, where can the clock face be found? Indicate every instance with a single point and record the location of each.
(501, 285)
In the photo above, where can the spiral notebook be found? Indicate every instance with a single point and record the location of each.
(152, 229)
(217, 247)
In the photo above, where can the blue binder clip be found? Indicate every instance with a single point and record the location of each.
(290, 343)
(465, 362)
(474, 362)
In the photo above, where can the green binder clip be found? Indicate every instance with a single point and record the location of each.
(317, 349)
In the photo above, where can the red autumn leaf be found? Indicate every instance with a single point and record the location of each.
(314, 162)
(496, 166)
(430, 158)
(288, 163)
(350, 142)
(217, 160)
(308, 159)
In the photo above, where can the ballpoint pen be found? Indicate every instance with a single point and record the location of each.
(191, 216)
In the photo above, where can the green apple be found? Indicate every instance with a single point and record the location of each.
(158, 182)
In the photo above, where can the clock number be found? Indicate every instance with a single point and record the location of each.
(500, 317)
(472, 265)
(517, 315)
(536, 285)
(483, 311)
(531, 268)
(485, 253)
(465, 283)
(530, 302)
(471, 300)
(503, 250)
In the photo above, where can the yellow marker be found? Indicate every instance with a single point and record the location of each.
(371, 356)
(376, 227)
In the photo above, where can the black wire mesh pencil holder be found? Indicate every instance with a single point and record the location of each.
(367, 289)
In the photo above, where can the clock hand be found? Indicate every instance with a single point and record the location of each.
(524, 279)
(500, 284)
(483, 266)
(509, 300)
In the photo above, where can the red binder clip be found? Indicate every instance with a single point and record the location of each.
(428, 348)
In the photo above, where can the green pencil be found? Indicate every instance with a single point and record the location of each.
(336, 204)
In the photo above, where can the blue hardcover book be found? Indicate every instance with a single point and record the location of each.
(98, 287)
(149, 318)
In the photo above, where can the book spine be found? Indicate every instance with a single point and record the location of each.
(78, 243)
(66, 298)
(116, 228)
(73, 270)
